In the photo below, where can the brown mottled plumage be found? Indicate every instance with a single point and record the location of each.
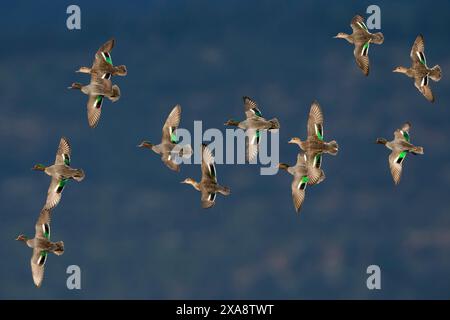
(361, 38)
(208, 186)
(60, 172)
(400, 147)
(41, 245)
(314, 146)
(419, 70)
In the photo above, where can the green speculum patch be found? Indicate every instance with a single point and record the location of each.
(61, 185)
(98, 102)
(258, 135)
(319, 131)
(42, 258)
(365, 49)
(257, 112)
(46, 230)
(107, 57)
(305, 179)
(401, 156)
(422, 58)
(317, 160)
(173, 136)
(406, 135)
(66, 159)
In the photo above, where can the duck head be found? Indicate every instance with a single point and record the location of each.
(381, 141)
(192, 182)
(84, 70)
(76, 86)
(283, 166)
(400, 69)
(295, 140)
(39, 167)
(232, 122)
(145, 144)
(341, 35)
(22, 237)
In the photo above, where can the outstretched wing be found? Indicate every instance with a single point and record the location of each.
(361, 54)
(94, 109)
(38, 260)
(298, 188)
(418, 51)
(403, 133)
(42, 227)
(63, 153)
(171, 124)
(54, 192)
(208, 166)
(422, 84)
(315, 121)
(103, 60)
(358, 24)
(396, 159)
(315, 173)
(251, 144)
(251, 108)
(208, 199)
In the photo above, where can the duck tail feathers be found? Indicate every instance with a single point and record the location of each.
(59, 250)
(79, 175)
(120, 70)
(274, 124)
(333, 147)
(378, 38)
(436, 73)
(115, 93)
(224, 190)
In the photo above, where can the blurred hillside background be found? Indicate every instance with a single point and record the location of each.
(137, 233)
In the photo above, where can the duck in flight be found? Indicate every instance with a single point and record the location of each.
(61, 172)
(42, 246)
(419, 70)
(361, 38)
(102, 65)
(208, 186)
(303, 175)
(169, 148)
(399, 147)
(253, 124)
(315, 146)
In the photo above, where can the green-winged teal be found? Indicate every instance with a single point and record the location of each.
(169, 141)
(61, 173)
(208, 186)
(419, 70)
(314, 145)
(102, 65)
(253, 124)
(361, 38)
(41, 245)
(303, 174)
(400, 147)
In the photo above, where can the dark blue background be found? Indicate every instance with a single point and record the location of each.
(136, 232)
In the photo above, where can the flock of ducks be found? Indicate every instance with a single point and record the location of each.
(60, 172)
(306, 171)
